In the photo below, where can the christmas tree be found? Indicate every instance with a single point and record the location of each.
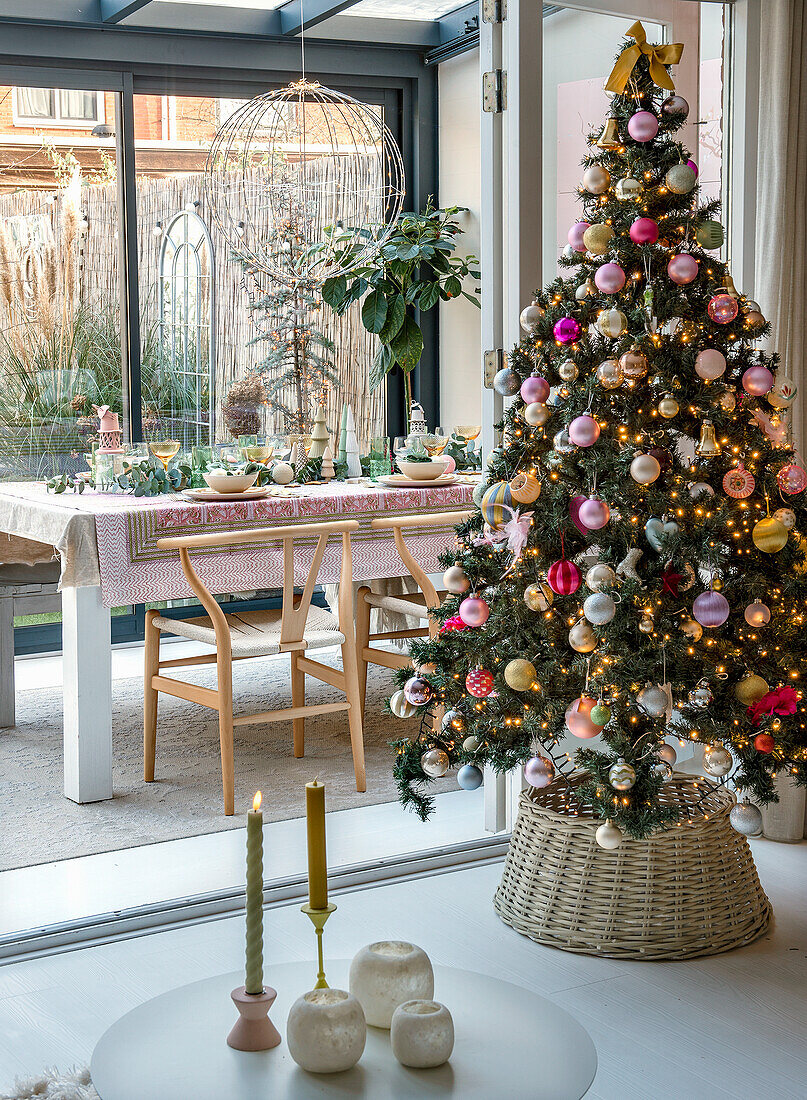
(636, 570)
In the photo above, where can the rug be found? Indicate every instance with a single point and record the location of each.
(39, 824)
(52, 1085)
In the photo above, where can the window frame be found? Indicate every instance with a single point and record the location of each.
(57, 121)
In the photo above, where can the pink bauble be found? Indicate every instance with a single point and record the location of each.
(610, 278)
(691, 164)
(711, 608)
(534, 388)
(563, 577)
(575, 236)
(710, 364)
(539, 771)
(449, 464)
(792, 479)
(644, 231)
(566, 330)
(757, 381)
(594, 514)
(722, 309)
(479, 683)
(643, 126)
(682, 268)
(584, 431)
(578, 718)
(474, 611)
(417, 691)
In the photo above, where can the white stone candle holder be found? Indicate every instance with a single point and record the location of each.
(326, 1031)
(383, 975)
(422, 1034)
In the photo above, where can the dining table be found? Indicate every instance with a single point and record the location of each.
(107, 545)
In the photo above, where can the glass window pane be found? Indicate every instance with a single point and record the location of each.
(60, 348)
(79, 105)
(35, 102)
(710, 106)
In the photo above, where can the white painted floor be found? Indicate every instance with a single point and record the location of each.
(731, 1027)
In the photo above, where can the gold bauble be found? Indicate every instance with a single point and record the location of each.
(754, 319)
(727, 401)
(582, 638)
(750, 689)
(692, 629)
(596, 179)
(525, 488)
(609, 374)
(769, 535)
(538, 597)
(536, 414)
(568, 370)
(612, 322)
(519, 674)
(646, 624)
(668, 407)
(633, 363)
(597, 238)
(717, 583)
(680, 179)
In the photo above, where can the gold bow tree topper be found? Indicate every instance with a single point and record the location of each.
(658, 58)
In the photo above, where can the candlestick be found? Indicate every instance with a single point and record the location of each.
(254, 901)
(317, 864)
(318, 918)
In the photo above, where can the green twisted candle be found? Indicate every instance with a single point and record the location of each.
(254, 902)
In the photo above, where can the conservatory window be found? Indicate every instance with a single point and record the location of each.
(57, 107)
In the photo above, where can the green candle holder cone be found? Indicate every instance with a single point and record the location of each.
(318, 917)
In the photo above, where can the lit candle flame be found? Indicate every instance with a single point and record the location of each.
(256, 801)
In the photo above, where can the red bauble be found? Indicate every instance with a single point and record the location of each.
(763, 742)
(564, 577)
(479, 683)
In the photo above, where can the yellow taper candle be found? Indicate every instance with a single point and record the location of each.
(317, 864)
(254, 974)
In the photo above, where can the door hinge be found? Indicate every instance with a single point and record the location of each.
(494, 11)
(494, 91)
(494, 361)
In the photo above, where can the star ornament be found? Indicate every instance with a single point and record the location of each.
(671, 581)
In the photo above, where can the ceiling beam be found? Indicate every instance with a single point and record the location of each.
(114, 11)
(296, 14)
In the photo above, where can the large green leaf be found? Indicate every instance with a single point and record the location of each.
(333, 290)
(453, 287)
(430, 296)
(407, 347)
(383, 362)
(374, 311)
(396, 312)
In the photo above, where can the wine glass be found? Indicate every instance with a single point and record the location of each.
(164, 449)
(468, 432)
(258, 449)
(435, 442)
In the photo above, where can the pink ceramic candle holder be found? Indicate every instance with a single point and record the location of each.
(253, 1030)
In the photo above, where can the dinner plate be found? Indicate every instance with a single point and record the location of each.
(398, 481)
(210, 496)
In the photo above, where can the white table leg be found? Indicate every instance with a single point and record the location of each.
(87, 664)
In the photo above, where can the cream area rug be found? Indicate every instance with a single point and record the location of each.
(53, 1085)
(39, 824)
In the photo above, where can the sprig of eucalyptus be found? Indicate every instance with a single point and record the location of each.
(68, 483)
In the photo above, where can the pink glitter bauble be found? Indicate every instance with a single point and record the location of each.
(682, 269)
(534, 388)
(710, 364)
(566, 330)
(723, 309)
(711, 608)
(575, 236)
(610, 278)
(643, 126)
(584, 431)
(474, 611)
(539, 771)
(578, 718)
(792, 478)
(757, 381)
(594, 514)
(643, 231)
(691, 164)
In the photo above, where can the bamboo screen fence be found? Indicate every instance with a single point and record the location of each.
(34, 223)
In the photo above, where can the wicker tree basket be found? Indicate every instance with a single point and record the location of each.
(689, 890)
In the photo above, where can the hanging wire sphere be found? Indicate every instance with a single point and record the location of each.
(303, 182)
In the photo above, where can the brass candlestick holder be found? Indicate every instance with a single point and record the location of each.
(318, 918)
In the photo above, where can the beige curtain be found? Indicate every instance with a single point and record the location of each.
(781, 232)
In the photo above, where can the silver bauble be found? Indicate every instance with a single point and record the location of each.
(628, 190)
(680, 179)
(667, 753)
(663, 771)
(434, 762)
(717, 760)
(609, 374)
(452, 721)
(701, 696)
(562, 444)
(612, 322)
(653, 700)
(569, 253)
(506, 382)
(471, 744)
(586, 290)
(621, 775)
(568, 370)
(599, 575)
(599, 608)
(668, 407)
(745, 818)
(647, 624)
(538, 597)
(675, 106)
(531, 317)
(645, 469)
(456, 580)
(596, 179)
(401, 707)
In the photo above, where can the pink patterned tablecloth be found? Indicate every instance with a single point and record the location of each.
(133, 570)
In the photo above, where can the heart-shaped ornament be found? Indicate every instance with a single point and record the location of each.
(654, 529)
(574, 514)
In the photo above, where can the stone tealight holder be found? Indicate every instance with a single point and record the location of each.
(422, 1034)
(253, 1030)
(326, 1031)
(383, 975)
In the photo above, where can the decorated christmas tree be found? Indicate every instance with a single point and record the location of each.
(637, 568)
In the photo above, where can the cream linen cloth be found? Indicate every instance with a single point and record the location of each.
(32, 529)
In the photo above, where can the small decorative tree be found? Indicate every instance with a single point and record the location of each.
(320, 436)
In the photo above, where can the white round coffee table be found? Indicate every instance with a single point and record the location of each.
(511, 1044)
